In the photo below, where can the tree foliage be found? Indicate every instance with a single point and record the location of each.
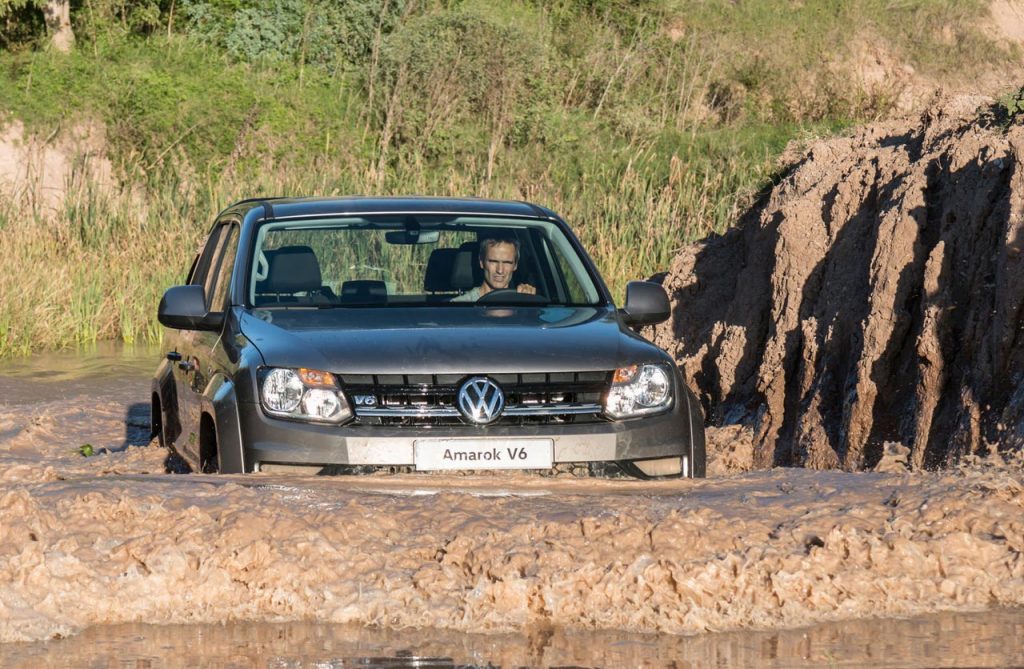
(11, 6)
(21, 21)
(98, 19)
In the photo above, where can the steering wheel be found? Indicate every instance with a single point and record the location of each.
(511, 295)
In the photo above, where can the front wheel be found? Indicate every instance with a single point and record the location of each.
(209, 458)
(157, 423)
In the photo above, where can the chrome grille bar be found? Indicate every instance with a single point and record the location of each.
(451, 412)
(551, 409)
(407, 412)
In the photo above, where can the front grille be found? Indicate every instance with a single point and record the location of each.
(430, 399)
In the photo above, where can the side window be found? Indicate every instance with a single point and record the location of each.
(201, 269)
(569, 281)
(222, 278)
(191, 270)
(530, 269)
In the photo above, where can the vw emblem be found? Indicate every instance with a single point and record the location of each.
(480, 400)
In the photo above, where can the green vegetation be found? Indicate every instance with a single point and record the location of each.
(647, 124)
(1007, 110)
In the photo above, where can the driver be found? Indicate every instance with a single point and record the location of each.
(498, 259)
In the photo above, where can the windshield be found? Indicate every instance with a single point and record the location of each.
(416, 261)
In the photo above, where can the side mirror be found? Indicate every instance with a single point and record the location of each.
(646, 304)
(184, 308)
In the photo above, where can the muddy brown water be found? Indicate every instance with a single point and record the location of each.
(990, 639)
(793, 568)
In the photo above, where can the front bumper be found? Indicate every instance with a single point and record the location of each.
(268, 440)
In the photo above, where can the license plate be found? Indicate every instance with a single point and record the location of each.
(444, 454)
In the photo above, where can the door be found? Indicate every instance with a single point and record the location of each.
(188, 370)
(209, 355)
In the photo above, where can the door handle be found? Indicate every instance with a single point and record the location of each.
(174, 356)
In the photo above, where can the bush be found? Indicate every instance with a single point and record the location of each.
(445, 74)
(330, 33)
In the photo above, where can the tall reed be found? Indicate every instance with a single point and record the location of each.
(95, 268)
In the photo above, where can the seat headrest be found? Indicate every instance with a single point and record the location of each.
(364, 291)
(438, 277)
(293, 269)
(463, 274)
(466, 271)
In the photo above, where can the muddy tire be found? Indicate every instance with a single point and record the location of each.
(209, 460)
(157, 422)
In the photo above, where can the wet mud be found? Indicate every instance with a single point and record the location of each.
(872, 301)
(115, 539)
(52, 405)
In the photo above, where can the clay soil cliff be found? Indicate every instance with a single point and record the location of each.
(871, 301)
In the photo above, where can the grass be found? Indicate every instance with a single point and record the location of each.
(647, 125)
(72, 285)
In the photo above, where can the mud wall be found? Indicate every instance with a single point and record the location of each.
(873, 296)
(37, 174)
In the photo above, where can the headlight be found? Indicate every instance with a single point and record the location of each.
(282, 391)
(638, 390)
(303, 394)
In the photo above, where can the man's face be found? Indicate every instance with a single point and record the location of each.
(498, 265)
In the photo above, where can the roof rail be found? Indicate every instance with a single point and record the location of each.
(268, 210)
(536, 209)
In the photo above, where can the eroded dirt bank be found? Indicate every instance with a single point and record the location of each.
(871, 301)
(112, 538)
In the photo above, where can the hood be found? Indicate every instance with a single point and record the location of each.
(445, 340)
